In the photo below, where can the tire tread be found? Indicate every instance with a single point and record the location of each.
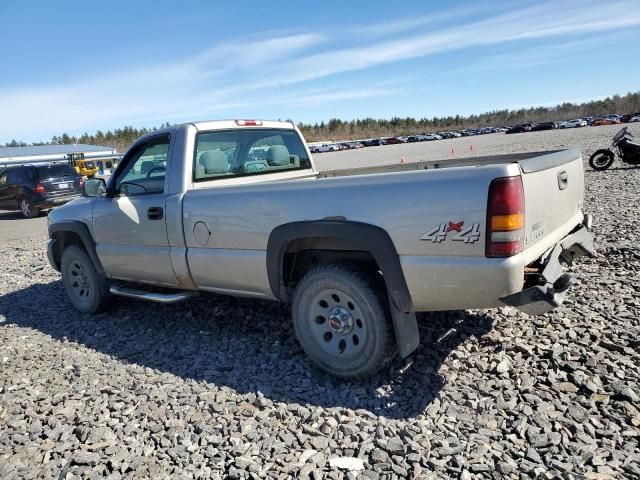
(353, 274)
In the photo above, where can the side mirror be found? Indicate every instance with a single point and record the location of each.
(94, 187)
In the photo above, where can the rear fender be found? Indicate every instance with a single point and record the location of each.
(365, 237)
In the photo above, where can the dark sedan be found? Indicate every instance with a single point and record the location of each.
(519, 129)
(543, 126)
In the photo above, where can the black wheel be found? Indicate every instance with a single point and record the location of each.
(27, 209)
(341, 323)
(601, 159)
(87, 290)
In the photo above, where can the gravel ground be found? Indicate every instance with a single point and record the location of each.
(219, 388)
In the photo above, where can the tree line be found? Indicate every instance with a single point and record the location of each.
(337, 129)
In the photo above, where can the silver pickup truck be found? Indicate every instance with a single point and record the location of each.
(238, 208)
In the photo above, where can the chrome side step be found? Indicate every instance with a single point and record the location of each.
(128, 292)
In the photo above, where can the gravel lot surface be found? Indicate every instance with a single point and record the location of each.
(13, 226)
(219, 388)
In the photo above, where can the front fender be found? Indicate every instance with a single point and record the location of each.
(58, 233)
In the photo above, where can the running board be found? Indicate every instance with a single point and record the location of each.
(128, 292)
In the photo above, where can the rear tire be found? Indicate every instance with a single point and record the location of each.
(601, 159)
(341, 323)
(88, 291)
(27, 209)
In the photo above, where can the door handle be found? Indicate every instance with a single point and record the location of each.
(563, 180)
(155, 213)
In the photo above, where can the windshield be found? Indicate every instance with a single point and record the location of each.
(620, 134)
(234, 153)
(53, 171)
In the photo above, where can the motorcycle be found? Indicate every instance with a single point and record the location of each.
(628, 151)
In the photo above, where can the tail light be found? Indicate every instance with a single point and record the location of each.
(505, 217)
(81, 183)
(40, 188)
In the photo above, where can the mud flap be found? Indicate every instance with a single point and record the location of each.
(405, 327)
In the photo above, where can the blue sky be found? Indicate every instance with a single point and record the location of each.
(76, 66)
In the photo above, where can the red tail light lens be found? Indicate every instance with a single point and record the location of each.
(39, 188)
(505, 217)
(81, 183)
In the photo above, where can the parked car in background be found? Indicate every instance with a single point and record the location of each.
(634, 119)
(431, 136)
(578, 122)
(519, 129)
(629, 117)
(351, 145)
(328, 147)
(543, 126)
(393, 140)
(605, 121)
(373, 142)
(33, 188)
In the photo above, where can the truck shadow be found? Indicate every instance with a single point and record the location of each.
(246, 345)
(16, 215)
(610, 169)
(9, 215)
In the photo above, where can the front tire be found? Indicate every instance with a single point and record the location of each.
(341, 323)
(601, 159)
(27, 209)
(88, 291)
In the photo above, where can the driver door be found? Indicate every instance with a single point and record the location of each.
(130, 225)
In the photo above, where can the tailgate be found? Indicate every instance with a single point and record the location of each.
(553, 195)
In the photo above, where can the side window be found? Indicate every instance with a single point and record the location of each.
(21, 176)
(236, 153)
(13, 176)
(3, 178)
(144, 172)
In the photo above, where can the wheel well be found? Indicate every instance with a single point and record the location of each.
(63, 240)
(302, 254)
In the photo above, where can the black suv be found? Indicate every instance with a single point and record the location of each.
(31, 188)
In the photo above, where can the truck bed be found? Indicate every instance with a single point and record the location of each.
(528, 161)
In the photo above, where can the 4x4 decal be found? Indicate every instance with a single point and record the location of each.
(439, 233)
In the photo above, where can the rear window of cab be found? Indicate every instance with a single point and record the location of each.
(235, 153)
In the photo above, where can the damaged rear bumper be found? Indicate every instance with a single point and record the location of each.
(553, 283)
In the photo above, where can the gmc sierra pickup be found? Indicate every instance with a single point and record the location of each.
(238, 208)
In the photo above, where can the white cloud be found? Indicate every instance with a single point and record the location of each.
(312, 99)
(244, 76)
(540, 21)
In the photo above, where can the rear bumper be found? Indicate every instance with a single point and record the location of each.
(553, 282)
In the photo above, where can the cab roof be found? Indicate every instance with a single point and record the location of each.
(241, 123)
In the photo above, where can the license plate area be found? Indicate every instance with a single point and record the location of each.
(64, 186)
